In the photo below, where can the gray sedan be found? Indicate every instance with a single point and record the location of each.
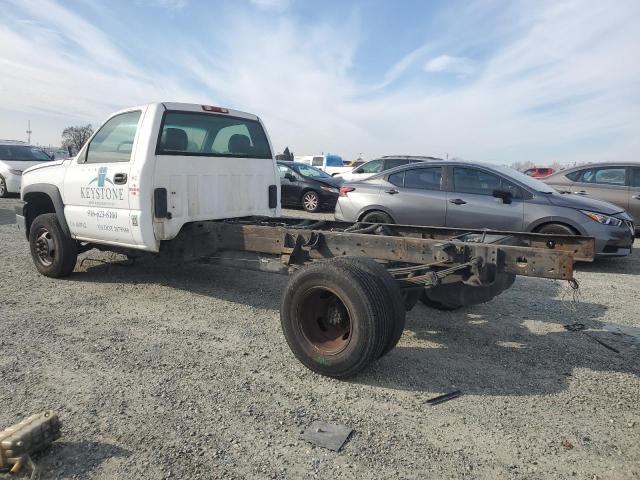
(471, 195)
(618, 183)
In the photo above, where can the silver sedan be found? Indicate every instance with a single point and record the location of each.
(473, 195)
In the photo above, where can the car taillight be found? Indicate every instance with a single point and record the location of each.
(345, 190)
(209, 108)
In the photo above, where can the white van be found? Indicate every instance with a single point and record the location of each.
(329, 163)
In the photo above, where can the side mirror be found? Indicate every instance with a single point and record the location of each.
(53, 156)
(507, 197)
(358, 170)
(290, 177)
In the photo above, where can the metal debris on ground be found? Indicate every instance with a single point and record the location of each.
(20, 441)
(444, 398)
(327, 435)
(580, 327)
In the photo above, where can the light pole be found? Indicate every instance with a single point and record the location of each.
(29, 132)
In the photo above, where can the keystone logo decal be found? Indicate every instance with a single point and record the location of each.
(100, 192)
(102, 177)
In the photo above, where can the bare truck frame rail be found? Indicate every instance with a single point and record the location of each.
(342, 309)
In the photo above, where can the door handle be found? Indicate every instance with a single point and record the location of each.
(392, 191)
(457, 201)
(120, 178)
(581, 192)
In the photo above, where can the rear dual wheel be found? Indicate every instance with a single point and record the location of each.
(338, 315)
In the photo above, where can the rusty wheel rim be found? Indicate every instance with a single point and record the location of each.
(325, 321)
(45, 247)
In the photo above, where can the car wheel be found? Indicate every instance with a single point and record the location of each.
(555, 229)
(311, 201)
(3, 188)
(54, 253)
(377, 217)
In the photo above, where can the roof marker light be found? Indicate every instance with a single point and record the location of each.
(209, 108)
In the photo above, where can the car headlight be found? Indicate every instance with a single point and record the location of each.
(16, 172)
(603, 219)
(329, 189)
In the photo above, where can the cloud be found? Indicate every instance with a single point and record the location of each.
(461, 66)
(271, 4)
(548, 80)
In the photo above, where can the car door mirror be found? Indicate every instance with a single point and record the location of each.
(358, 170)
(507, 197)
(290, 177)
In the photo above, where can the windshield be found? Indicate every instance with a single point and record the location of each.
(307, 171)
(530, 182)
(23, 153)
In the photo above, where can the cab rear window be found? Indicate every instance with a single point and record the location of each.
(210, 135)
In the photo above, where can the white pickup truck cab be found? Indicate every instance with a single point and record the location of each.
(149, 170)
(328, 163)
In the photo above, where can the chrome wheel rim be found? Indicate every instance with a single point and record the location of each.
(45, 247)
(310, 201)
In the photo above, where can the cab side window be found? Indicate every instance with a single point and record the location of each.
(635, 177)
(317, 161)
(374, 166)
(423, 178)
(394, 162)
(114, 141)
(479, 182)
(607, 176)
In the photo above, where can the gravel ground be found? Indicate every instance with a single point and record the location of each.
(160, 372)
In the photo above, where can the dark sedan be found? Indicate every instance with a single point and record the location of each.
(310, 188)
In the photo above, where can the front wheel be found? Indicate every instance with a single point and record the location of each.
(3, 188)
(54, 253)
(377, 217)
(311, 201)
(555, 229)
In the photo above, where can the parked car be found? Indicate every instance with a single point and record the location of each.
(617, 183)
(15, 157)
(539, 172)
(329, 163)
(380, 165)
(308, 187)
(471, 195)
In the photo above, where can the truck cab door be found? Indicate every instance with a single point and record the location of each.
(96, 190)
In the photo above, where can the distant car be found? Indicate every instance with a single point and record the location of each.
(539, 172)
(471, 195)
(617, 183)
(15, 157)
(329, 163)
(308, 187)
(380, 165)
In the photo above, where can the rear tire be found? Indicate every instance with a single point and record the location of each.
(377, 217)
(334, 318)
(3, 188)
(310, 201)
(556, 229)
(392, 297)
(54, 253)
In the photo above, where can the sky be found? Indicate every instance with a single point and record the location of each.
(493, 81)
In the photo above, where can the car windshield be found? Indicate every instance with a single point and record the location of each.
(307, 171)
(530, 182)
(23, 153)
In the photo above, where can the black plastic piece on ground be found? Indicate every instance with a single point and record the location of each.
(444, 398)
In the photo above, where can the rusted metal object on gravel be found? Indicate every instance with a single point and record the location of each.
(20, 441)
